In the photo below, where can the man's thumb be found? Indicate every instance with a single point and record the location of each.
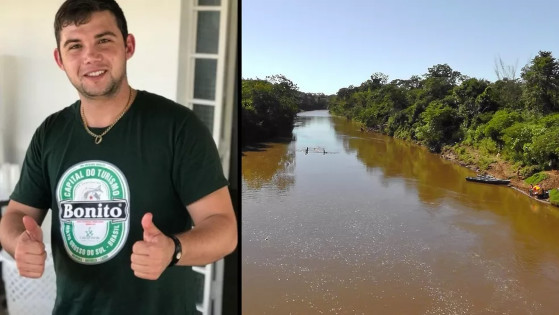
(32, 228)
(150, 230)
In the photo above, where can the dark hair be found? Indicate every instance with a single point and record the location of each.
(79, 12)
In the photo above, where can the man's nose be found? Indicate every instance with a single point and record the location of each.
(92, 54)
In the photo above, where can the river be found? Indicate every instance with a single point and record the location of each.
(366, 224)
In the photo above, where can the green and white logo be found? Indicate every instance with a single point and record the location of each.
(93, 204)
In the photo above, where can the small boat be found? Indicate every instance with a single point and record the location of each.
(488, 179)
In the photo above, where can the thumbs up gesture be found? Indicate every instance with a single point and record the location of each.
(153, 254)
(30, 254)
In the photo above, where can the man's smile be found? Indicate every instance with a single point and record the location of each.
(95, 73)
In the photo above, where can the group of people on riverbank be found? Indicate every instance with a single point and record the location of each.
(538, 191)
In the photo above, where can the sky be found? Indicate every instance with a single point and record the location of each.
(325, 45)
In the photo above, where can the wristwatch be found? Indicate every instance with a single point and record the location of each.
(178, 251)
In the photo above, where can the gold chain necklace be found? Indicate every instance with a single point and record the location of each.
(99, 138)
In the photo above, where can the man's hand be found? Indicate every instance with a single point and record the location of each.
(151, 256)
(30, 254)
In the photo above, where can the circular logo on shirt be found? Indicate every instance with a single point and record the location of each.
(93, 201)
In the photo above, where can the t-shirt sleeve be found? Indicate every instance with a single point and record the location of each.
(197, 169)
(32, 189)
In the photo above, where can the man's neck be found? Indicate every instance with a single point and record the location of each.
(102, 112)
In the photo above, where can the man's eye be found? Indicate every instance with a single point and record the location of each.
(75, 46)
(103, 40)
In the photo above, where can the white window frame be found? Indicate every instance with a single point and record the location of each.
(222, 119)
(217, 103)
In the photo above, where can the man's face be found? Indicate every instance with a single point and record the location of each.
(93, 55)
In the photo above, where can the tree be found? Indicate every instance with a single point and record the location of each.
(467, 95)
(444, 72)
(517, 138)
(312, 101)
(268, 108)
(541, 77)
(439, 81)
(441, 125)
(499, 122)
(508, 94)
(414, 82)
(281, 80)
(505, 72)
(544, 149)
(377, 80)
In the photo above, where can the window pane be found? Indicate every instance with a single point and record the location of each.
(206, 114)
(207, 33)
(199, 284)
(209, 2)
(204, 79)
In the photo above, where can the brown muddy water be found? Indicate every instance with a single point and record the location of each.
(365, 224)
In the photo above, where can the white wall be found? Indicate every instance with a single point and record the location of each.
(32, 86)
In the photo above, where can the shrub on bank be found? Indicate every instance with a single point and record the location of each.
(485, 161)
(536, 178)
(554, 196)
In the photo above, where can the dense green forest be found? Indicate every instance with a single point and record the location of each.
(268, 107)
(515, 118)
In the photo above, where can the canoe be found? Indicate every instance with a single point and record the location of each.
(488, 180)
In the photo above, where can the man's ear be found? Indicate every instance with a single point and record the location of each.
(58, 58)
(130, 46)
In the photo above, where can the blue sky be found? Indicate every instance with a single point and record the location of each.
(324, 45)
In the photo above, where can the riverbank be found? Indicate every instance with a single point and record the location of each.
(497, 167)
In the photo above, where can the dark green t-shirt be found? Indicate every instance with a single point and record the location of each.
(158, 158)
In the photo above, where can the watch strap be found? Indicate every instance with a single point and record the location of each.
(178, 251)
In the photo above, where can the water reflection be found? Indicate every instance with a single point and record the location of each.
(272, 164)
(435, 180)
(302, 121)
(398, 159)
(380, 226)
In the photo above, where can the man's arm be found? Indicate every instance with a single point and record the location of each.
(11, 224)
(215, 230)
(22, 237)
(214, 235)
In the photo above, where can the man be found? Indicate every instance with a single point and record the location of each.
(541, 193)
(537, 189)
(133, 179)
